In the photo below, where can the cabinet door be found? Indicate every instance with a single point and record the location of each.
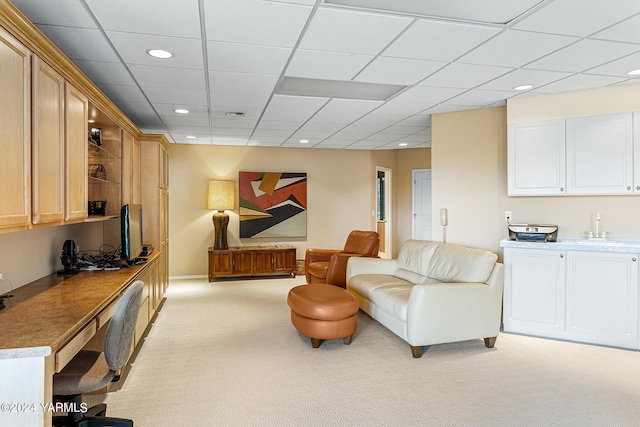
(263, 262)
(242, 263)
(284, 261)
(536, 158)
(602, 298)
(47, 155)
(534, 294)
(15, 132)
(636, 152)
(76, 154)
(600, 154)
(220, 264)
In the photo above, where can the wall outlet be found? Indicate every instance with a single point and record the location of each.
(507, 216)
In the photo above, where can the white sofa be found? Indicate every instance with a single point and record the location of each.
(432, 293)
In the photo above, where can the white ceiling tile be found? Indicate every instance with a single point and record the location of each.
(401, 71)
(272, 133)
(401, 130)
(221, 81)
(619, 67)
(187, 53)
(159, 17)
(416, 138)
(233, 123)
(244, 58)
(438, 41)
(260, 143)
(344, 110)
(194, 110)
(345, 31)
(447, 108)
(312, 135)
(176, 97)
(165, 77)
(322, 127)
(626, 31)
(67, 13)
(180, 120)
(110, 73)
(583, 55)
(231, 140)
(416, 121)
(396, 107)
(578, 82)
(290, 125)
(427, 94)
(123, 94)
(479, 97)
(578, 17)
(222, 131)
(94, 47)
(238, 101)
(354, 134)
(523, 76)
(316, 64)
(516, 48)
(181, 129)
(465, 76)
(333, 144)
(255, 22)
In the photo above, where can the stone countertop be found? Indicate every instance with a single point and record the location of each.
(565, 244)
(43, 315)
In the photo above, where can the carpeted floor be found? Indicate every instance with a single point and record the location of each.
(226, 354)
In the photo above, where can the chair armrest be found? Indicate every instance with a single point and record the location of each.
(368, 265)
(317, 255)
(337, 271)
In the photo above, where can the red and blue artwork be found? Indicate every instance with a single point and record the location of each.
(273, 204)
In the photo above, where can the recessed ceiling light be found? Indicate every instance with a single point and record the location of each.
(190, 137)
(304, 141)
(634, 72)
(181, 111)
(91, 121)
(403, 144)
(523, 87)
(159, 53)
(299, 86)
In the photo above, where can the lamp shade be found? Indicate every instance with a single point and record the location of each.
(221, 195)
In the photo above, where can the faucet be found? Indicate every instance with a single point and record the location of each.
(598, 234)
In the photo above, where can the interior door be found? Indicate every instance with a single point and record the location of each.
(422, 228)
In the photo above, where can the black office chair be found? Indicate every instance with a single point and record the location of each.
(92, 370)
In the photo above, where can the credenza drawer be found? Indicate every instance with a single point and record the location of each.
(66, 353)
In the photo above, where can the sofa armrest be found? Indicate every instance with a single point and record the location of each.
(367, 265)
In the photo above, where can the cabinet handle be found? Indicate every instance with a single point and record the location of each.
(638, 187)
(633, 259)
(561, 188)
(561, 255)
(628, 187)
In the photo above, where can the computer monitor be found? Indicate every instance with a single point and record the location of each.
(131, 230)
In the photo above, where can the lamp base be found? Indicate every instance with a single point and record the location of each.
(220, 222)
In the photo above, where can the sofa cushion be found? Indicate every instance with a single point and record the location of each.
(409, 276)
(393, 299)
(366, 284)
(456, 263)
(415, 255)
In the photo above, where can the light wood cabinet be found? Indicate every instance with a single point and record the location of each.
(15, 134)
(47, 147)
(251, 261)
(130, 169)
(76, 153)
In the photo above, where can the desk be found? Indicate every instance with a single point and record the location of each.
(46, 317)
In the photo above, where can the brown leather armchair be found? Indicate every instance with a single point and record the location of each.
(330, 265)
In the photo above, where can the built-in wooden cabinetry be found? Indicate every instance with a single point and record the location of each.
(15, 133)
(76, 153)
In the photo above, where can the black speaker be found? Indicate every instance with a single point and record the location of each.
(69, 257)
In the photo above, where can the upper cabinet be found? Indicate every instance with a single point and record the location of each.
(536, 163)
(15, 133)
(591, 155)
(600, 154)
(76, 152)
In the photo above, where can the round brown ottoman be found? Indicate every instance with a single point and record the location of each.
(323, 312)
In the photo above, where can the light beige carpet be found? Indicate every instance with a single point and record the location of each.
(226, 354)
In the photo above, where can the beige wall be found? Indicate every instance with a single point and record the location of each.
(470, 173)
(340, 191)
(26, 256)
(408, 160)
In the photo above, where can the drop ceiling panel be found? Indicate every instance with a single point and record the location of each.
(290, 125)
(170, 78)
(66, 13)
(579, 82)
(402, 71)
(244, 58)
(94, 47)
(428, 94)
(221, 81)
(516, 48)
(132, 48)
(124, 94)
(194, 110)
(186, 121)
(238, 101)
(583, 55)
(438, 41)
(466, 76)
(336, 30)
(523, 76)
(107, 73)
(176, 97)
(312, 126)
(158, 17)
(344, 110)
(626, 31)
(619, 67)
(480, 97)
(255, 22)
(326, 65)
(233, 123)
(559, 17)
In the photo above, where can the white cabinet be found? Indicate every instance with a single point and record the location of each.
(536, 158)
(587, 296)
(600, 154)
(602, 298)
(534, 295)
(636, 152)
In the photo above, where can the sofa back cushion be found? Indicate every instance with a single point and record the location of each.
(456, 263)
(414, 257)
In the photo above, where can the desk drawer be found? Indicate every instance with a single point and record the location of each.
(106, 314)
(66, 353)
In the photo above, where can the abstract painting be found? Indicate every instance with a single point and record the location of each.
(273, 204)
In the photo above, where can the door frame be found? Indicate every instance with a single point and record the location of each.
(386, 251)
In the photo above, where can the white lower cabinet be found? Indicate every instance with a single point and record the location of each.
(582, 296)
(602, 298)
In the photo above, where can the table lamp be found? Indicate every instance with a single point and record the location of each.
(221, 197)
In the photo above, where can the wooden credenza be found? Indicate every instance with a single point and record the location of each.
(251, 261)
